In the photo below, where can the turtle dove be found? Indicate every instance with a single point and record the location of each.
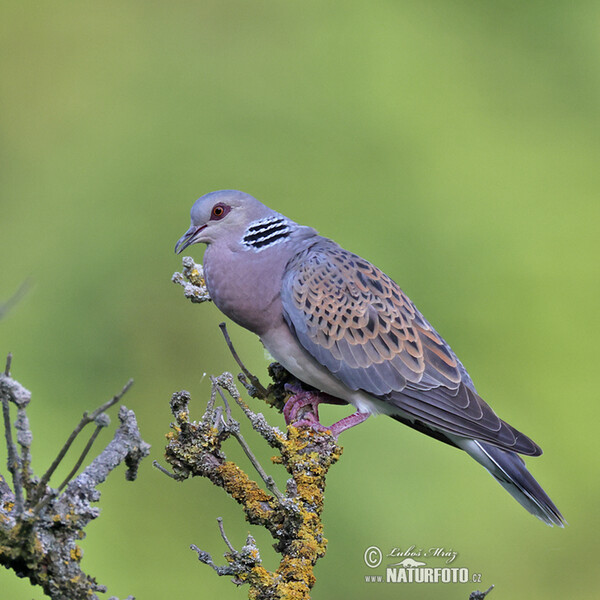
(342, 326)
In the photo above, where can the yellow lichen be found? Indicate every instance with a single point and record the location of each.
(194, 277)
(244, 490)
(37, 544)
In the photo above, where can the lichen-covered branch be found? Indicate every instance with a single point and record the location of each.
(192, 280)
(195, 448)
(40, 526)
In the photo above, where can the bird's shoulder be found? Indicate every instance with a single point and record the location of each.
(338, 279)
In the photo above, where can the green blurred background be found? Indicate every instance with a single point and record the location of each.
(456, 145)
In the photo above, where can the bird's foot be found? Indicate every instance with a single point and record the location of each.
(293, 409)
(301, 398)
(302, 410)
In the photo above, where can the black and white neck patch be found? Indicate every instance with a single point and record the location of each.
(266, 232)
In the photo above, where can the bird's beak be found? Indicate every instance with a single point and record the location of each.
(188, 238)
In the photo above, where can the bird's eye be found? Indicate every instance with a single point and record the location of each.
(219, 211)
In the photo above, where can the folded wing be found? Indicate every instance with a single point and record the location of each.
(357, 322)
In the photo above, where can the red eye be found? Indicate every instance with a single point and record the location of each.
(219, 211)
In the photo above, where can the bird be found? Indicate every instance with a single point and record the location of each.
(344, 328)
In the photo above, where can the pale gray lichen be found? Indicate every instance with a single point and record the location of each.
(192, 280)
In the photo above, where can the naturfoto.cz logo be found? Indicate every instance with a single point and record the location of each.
(411, 569)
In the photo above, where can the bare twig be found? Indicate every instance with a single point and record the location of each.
(168, 473)
(8, 364)
(85, 452)
(206, 558)
(262, 391)
(269, 481)
(244, 565)
(218, 389)
(87, 418)
(24, 439)
(234, 428)
(222, 530)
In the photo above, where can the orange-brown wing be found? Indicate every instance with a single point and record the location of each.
(356, 321)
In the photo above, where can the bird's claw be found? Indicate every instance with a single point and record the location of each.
(292, 411)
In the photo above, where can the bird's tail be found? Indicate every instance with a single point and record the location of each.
(509, 470)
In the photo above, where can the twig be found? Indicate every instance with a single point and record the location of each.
(213, 396)
(87, 418)
(245, 566)
(222, 530)
(270, 433)
(194, 289)
(234, 428)
(269, 481)
(168, 473)
(262, 391)
(82, 457)
(227, 407)
(206, 558)
(14, 461)
(8, 364)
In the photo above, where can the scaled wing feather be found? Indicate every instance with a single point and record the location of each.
(357, 322)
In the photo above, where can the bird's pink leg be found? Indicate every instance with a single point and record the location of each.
(350, 421)
(294, 415)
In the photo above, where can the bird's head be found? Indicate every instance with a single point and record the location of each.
(220, 214)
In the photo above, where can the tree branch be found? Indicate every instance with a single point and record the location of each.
(293, 519)
(39, 534)
(87, 418)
